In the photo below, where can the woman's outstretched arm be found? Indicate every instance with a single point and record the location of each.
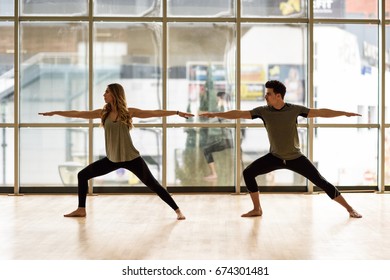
(94, 114)
(138, 113)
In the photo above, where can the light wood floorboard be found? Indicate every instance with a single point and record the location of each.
(142, 227)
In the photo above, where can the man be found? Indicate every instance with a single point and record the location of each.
(280, 120)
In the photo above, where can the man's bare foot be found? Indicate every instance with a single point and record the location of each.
(79, 212)
(253, 213)
(180, 215)
(354, 214)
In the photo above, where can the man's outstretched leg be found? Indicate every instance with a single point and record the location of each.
(305, 167)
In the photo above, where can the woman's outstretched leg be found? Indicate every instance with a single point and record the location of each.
(352, 212)
(141, 170)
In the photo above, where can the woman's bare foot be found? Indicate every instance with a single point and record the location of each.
(79, 212)
(253, 213)
(180, 215)
(354, 214)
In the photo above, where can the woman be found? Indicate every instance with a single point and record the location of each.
(116, 119)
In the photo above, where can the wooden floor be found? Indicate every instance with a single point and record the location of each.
(142, 227)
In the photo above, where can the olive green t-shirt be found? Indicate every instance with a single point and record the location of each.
(281, 126)
(119, 146)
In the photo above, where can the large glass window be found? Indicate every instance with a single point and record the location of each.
(387, 158)
(7, 72)
(7, 7)
(387, 75)
(346, 71)
(201, 63)
(204, 8)
(201, 67)
(129, 54)
(144, 8)
(56, 8)
(53, 69)
(345, 9)
(7, 161)
(199, 157)
(182, 55)
(7, 81)
(52, 156)
(387, 104)
(274, 8)
(347, 156)
(387, 8)
(272, 52)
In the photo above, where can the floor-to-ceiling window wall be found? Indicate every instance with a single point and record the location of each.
(7, 66)
(193, 56)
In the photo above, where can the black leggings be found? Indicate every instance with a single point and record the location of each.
(137, 166)
(215, 147)
(300, 165)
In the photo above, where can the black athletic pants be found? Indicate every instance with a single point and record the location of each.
(215, 147)
(300, 165)
(136, 166)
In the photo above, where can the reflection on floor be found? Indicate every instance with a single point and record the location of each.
(136, 227)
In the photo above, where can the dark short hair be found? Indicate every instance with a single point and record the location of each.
(277, 86)
(221, 94)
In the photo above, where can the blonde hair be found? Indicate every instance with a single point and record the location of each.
(119, 102)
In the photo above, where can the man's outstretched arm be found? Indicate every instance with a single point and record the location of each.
(233, 114)
(328, 113)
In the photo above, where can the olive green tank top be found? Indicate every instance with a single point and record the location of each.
(119, 146)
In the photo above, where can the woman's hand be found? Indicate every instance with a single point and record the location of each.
(184, 114)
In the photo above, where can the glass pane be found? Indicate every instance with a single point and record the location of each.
(273, 8)
(346, 71)
(345, 9)
(387, 75)
(255, 144)
(7, 72)
(6, 157)
(200, 157)
(263, 59)
(129, 54)
(56, 7)
(340, 158)
(52, 156)
(387, 8)
(387, 157)
(201, 8)
(7, 8)
(144, 8)
(201, 63)
(54, 70)
(147, 141)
